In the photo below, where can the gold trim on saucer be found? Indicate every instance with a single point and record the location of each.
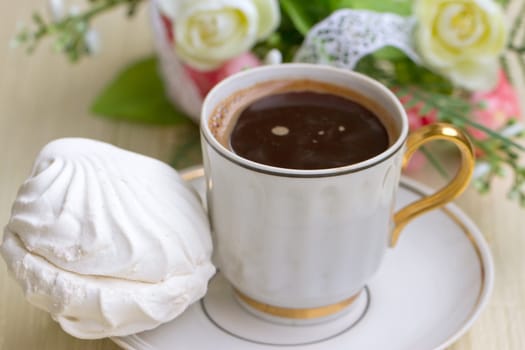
(472, 240)
(302, 313)
(458, 221)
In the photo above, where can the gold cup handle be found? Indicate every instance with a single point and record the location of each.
(416, 139)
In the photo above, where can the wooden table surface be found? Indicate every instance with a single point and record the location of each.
(43, 97)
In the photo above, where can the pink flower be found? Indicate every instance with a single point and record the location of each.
(415, 163)
(206, 80)
(168, 27)
(499, 105)
(415, 118)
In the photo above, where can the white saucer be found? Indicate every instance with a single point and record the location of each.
(427, 293)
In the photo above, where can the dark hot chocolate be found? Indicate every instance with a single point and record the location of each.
(294, 127)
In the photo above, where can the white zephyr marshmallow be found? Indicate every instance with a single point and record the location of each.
(108, 241)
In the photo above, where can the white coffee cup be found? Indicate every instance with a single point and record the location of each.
(302, 244)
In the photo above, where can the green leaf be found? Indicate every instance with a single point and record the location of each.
(409, 73)
(305, 14)
(425, 109)
(412, 103)
(400, 7)
(188, 151)
(137, 95)
(389, 53)
(341, 4)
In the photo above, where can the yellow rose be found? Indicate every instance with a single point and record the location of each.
(210, 32)
(461, 39)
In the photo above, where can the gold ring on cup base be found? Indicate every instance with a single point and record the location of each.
(299, 313)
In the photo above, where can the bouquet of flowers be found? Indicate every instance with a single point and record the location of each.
(444, 59)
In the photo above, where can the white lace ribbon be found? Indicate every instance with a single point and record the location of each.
(346, 36)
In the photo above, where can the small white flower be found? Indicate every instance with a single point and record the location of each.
(513, 130)
(56, 9)
(92, 40)
(74, 10)
(273, 56)
(481, 169)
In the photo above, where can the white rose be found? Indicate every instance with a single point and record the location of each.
(210, 32)
(461, 39)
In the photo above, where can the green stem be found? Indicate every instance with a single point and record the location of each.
(517, 24)
(69, 26)
(435, 163)
(516, 49)
(505, 66)
(95, 10)
(489, 132)
(521, 63)
(465, 120)
(92, 12)
(490, 153)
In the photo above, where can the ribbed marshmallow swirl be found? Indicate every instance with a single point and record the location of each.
(94, 209)
(109, 242)
(92, 307)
